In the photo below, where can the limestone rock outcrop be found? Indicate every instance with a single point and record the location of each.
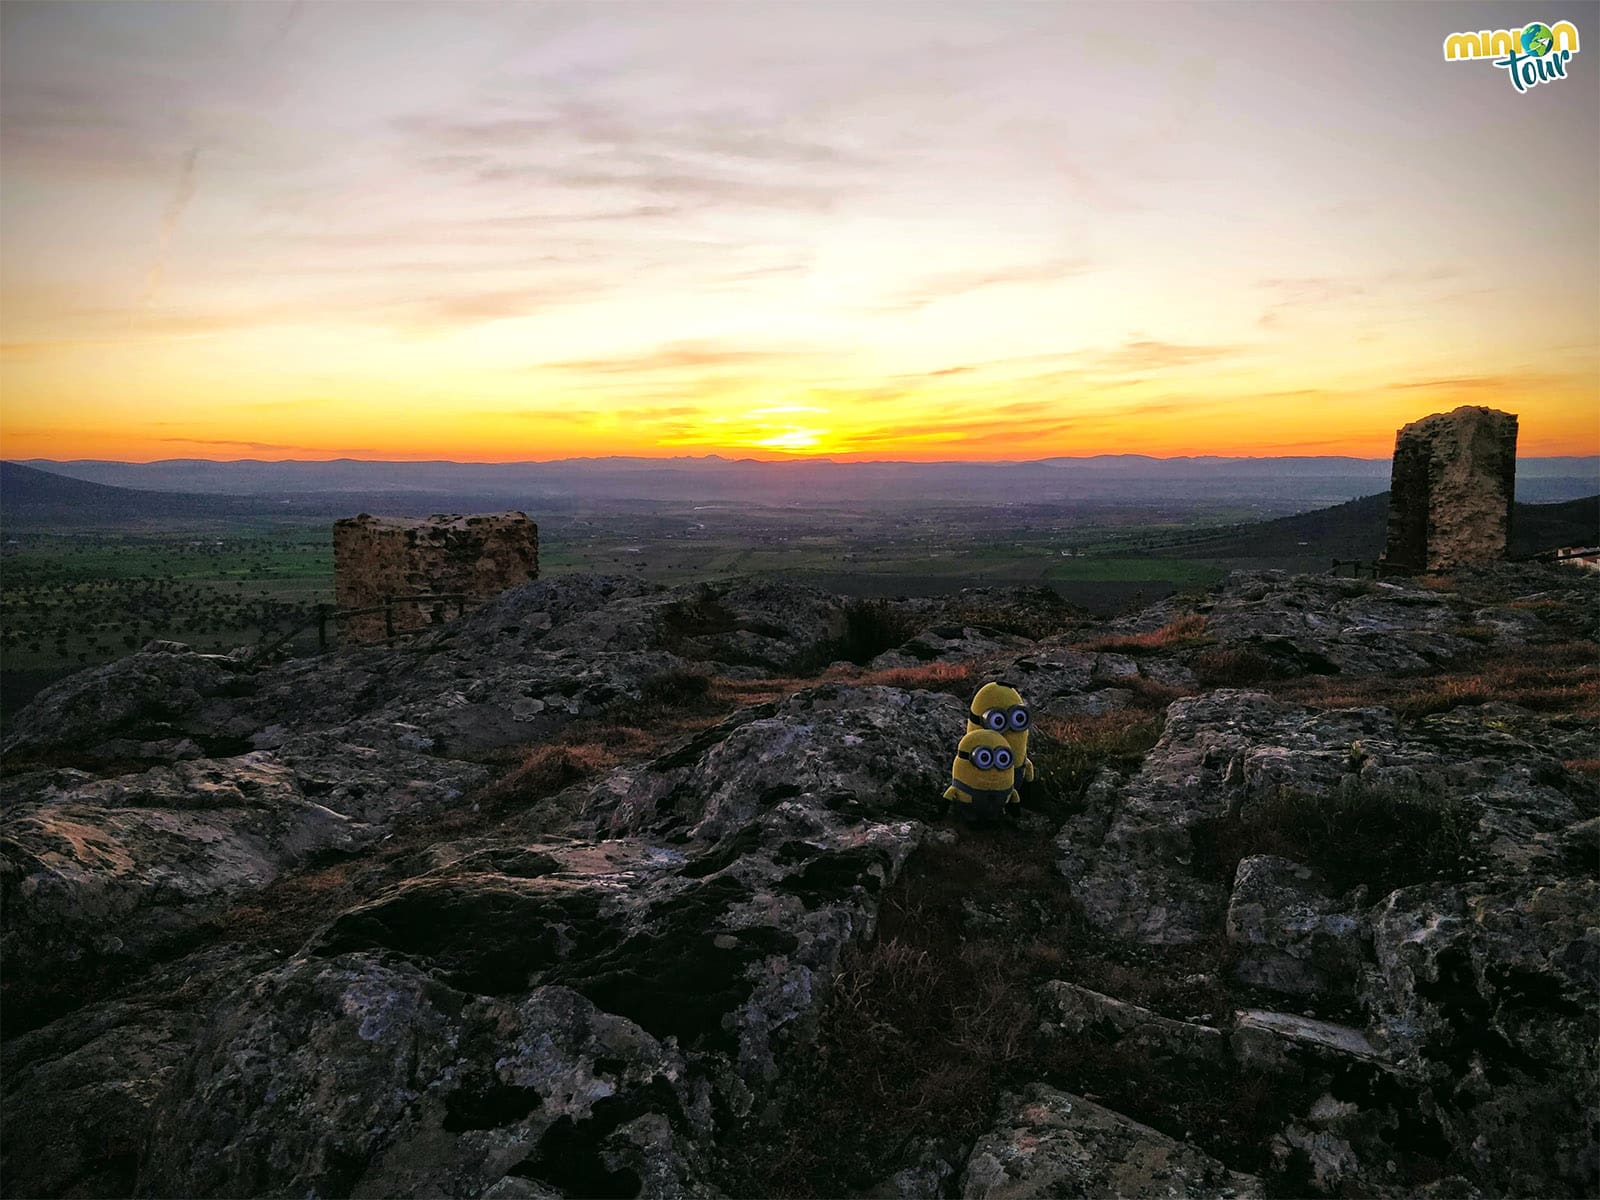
(601, 988)
(1053, 1143)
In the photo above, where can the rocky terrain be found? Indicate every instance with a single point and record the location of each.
(610, 890)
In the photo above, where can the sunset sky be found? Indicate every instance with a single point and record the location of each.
(902, 231)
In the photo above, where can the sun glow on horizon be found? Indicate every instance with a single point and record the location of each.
(761, 232)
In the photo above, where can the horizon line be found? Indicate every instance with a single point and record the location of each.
(725, 459)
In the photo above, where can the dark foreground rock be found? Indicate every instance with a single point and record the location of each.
(589, 995)
(578, 1013)
(1049, 1143)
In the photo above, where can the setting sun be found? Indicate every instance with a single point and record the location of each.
(511, 257)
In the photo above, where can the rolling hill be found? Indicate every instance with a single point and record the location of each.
(1356, 530)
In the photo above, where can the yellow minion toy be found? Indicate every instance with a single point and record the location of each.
(1000, 708)
(982, 777)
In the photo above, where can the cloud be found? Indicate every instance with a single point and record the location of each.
(1511, 383)
(1304, 296)
(676, 164)
(706, 134)
(1151, 355)
(170, 216)
(679, 356)
(269, 446)
(933, 288)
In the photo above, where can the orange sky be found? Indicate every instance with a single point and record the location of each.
(490, 233)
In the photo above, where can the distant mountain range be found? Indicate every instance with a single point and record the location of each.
(32, 498)
(1272, 485)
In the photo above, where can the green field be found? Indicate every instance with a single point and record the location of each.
(1179, 572)
(73, 600)
(70, 599)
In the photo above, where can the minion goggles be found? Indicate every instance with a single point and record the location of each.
(1001, 719)
(985, 759)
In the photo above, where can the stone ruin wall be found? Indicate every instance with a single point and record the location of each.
(1451, 490)
(373, 557)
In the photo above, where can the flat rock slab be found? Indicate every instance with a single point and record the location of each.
(1073, 1011)
(1049, 1143)
(1262, 1038)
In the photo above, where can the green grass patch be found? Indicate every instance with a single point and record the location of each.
(1176, 571)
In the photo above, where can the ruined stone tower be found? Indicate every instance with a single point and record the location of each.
(1451, 490)
(375, 557)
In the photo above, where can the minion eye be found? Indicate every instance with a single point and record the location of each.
(983, 757)
(995, 719)
(1019, 718)
(1002, 759)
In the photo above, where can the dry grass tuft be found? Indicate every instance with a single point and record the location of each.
(553, 766)
(960, 679)
(1185, 631)
(1434, 582)
(1233, 666)
(1563, 677)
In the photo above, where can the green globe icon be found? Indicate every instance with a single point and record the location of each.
(1537, 40)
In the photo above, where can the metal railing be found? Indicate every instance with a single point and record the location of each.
(326, 613)
(1374, 570)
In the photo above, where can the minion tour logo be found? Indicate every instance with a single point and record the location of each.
(1534, 54)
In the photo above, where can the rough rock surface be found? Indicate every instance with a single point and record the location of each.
(1136, 861)
(99, 869)
(349, 1075)
(143, 691)
(1075, 1012)
(1291, 625)
(346, 746)
(685, 955)
(585, 996)
(1049, 1143)
(1290, 933)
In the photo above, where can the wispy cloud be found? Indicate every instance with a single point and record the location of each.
(235, 444)
(1309, 296)
(933, 288)
(674, 165)
(681, 356)
(182, 194)
(1151, 355)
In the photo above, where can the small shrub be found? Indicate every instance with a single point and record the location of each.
(1383, 837)
(1233, 667)
(1448, 694)
(699, 617)
(676, 687)
(1435, 583)
(1071, 750)
(1557, 677)
(553, 766)
(1151, 694)
(872, 627)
